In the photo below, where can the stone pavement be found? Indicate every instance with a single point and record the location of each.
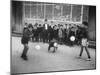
(43, 61)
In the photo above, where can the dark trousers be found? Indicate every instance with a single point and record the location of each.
(82, 47)
(40, 37)
(35, 38)
(24, 53)
(45, 36)
(50, 37)
(60, 40)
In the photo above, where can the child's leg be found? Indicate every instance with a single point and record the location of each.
(49, 48)
(81, 51)
(87, 52)
(25, 50)
(55, 48)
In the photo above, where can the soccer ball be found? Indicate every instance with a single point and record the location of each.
(72, 38)
(37, 47)
(55, 44)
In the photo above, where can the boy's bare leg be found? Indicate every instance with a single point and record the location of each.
(81, 51)
(48, 48)
(87, 52)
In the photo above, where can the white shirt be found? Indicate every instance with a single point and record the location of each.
(84, 42)
(46, 26)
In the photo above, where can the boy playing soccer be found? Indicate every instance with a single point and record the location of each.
(27, 33)
(84, 43)
(53, 43)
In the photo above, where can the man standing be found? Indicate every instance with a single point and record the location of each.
(55, 32)
(35, 32)
(66, 33)
(39, 32)
(50, 33)
(45, 31)
(61, 34)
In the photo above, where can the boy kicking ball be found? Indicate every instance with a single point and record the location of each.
(84, 43)
(53, 44)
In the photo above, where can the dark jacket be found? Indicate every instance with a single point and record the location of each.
(55, 33)
(26, 36)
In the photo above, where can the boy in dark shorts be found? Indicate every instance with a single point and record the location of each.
(27, 34)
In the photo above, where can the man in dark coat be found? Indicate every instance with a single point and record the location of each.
(39, 33)
(50, 33)
(45, 31)
(35, 33)
(55, 32)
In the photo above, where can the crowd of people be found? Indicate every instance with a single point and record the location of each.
(47, 33)
(62, 33)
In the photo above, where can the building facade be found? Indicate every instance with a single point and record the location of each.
(36, 12)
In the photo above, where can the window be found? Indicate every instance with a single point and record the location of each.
(27, 11)
(33, 10)
(76, 13)
(48, 11)
(67, 12)
(57, 12)
(40, 11)
(85, 13)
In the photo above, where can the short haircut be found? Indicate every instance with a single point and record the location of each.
(30, 26)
